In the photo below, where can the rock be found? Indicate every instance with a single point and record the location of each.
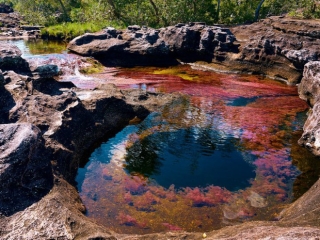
(10, 59)
(256, 200)
(309, 87)
(10, 20)
(45, 71)
(300, 57)
(309, 91)
(25, 170)
(5, 8)
(278, 47)
(6, 100)
(147, 46)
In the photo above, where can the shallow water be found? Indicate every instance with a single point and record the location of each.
(219, 156)
(31, 48)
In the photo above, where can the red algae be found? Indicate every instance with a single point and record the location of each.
(209, 196)
(261, 126)
(172, 227)
(135, 185)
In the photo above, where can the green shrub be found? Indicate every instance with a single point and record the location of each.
(67, 31)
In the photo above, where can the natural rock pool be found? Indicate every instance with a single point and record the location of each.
(221, 154)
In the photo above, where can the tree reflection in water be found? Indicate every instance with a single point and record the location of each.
(191, 157)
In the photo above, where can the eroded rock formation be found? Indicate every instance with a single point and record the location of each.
(309, 91)
(165, 46)
(11, 25)
(277, 47)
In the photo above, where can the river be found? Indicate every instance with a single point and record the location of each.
(224, 153)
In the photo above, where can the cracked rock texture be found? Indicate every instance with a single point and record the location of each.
(165, 46)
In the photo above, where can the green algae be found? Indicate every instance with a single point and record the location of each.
(177, 72)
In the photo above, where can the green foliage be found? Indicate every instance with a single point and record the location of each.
(67, 31)
(91, 15)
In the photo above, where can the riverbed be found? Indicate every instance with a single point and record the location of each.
(224, 153)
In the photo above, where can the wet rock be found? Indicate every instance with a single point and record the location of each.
(309, 87)
(147, 46)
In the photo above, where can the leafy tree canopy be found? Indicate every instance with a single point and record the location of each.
(157, 13)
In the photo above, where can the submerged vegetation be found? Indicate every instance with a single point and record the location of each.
(69, 18)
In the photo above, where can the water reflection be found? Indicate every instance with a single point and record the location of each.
(308, 164)
(34, 47)
(191, 157)
(218, 156)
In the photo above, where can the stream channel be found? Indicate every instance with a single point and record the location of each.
(224, 153)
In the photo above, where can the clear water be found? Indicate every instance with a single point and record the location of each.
(36, 47)
(191, 157)
(219, 156)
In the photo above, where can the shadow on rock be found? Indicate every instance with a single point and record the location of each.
(6, 101)
(51, 87)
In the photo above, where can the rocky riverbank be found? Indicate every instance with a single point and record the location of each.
(11, 25)
(48, 127)
(276, 47)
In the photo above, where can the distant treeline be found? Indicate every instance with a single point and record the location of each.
(158, 13)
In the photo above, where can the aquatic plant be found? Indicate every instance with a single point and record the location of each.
(260, 127)
(125, 219)
(106, 174)
(135, 185)
(158, 191)
(210, 196)
(145, 202)
(128, 198)
(172, 227)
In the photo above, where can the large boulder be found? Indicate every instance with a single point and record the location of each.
(309, 91)
(278, 47)
(146, 46)
(25, 169)
(10, 59)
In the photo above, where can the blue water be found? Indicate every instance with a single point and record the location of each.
(186, 157)
(193, 157)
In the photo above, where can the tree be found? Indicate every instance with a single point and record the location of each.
(257, 12)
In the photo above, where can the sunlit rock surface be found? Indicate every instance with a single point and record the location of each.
(278, 47)
(10, 59)
(146, 46)
(309, 91)
(25, 170)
